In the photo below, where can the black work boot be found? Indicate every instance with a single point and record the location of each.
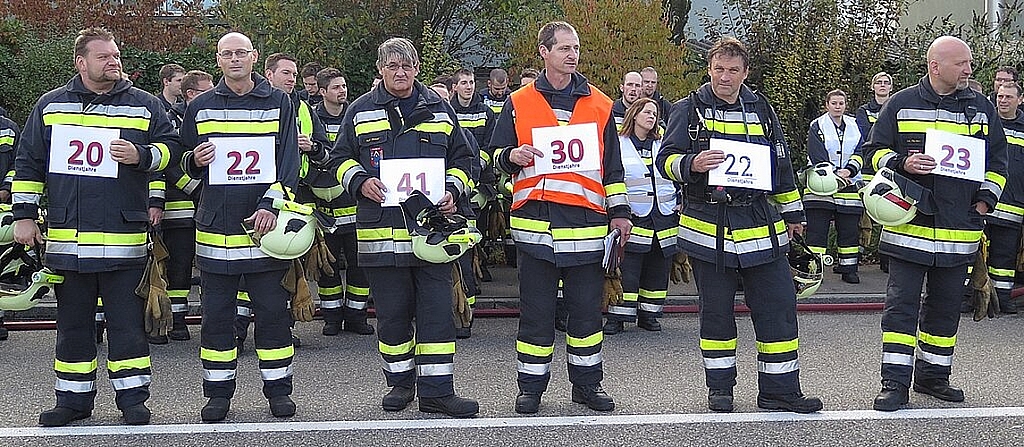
(720, 400)
(593, 396)
(1008, 306)
(3, 330)
(331, 328)
(137, 414)
(454, 406)
(612, 327)
(216, 409)
(893, 396)
(398, 398)
(179, 330)
(358, 327)
(649, 323)
(157, 339)
(99, 331)
(851, 278)
(527, 403)
(282, 406)
(939, 388)
(795, 402)
(61, 416)
(463, 333)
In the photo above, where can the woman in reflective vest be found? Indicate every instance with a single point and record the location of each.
(652, 202)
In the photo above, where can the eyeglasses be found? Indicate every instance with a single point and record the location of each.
(226, 54)
(1004, 79)
(395, 67)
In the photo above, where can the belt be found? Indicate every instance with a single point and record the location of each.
(720, 197)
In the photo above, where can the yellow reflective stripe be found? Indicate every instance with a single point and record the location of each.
(75, 367)
(699, 225)
(937, 340)
(223, 240)
(534, 350)
(904, 126)
(403, 348)
(62, 234)
(238, 127)
(1010, 208)
(218, 356)
(345, 211)
(439, 127)
(457, 173)
(847, 195)
(177, 293)
(182, 205)
(1002, 272)
(628, 296)
(668, 232)
(787, 197)
(27, 186)
(305, 120)
(89, 120)
(669, 161)
(994, 177)
(373, 234)
(614, 188)
(165, 156)
(242, 296)
(539, 226)
(585, 342)
(89, 238)
(183, 182)
(748, 234)
(730, 128)
(579, 233)
(938, 234)
(849, 250)
(136, 363)
(643, 232)
(372, 126)
(469, 124)
(899, 339)
(276, 353)
(7, 140)
(1018, 141)
(435, 348)
(717, 345)
(778, 347)
(655, 294)
(330, 290)
(401, 234)
(877, 157)
(356, 290)
(157, 184)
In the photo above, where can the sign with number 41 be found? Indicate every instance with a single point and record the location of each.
(956, 156)
(402, 176)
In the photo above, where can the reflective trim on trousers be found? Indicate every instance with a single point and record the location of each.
(621, 310)
(584, 360)
(131, 382)
(276, 373)
(100, 316)
(436, 369)
(74, 386)
(243, 311)
(218, 375)
(399, 367)
(778, 368)
(894, 358)
(720, 362)
(534, 369)
(648, 307)
(330, 304)
(357, 305)
(179, 308)
(935, 359)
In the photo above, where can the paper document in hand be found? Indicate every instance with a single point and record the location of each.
(613, 251)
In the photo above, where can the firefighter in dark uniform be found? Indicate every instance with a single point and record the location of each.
(835, 138)
(242, 185)
(403, 119)
(632, 89)
(9, 132)
(940, 245)
(867, 114)
(342, 302)
(496, 93)
(559, 219)
(97, 220)
(652, 202)
(1004, 225)
(732, 232)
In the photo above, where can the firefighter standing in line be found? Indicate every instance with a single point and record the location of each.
(632, 89)
(1004, 225)
(343, 303)
(97, 220)
(652, 243)
(242, 186)
(9, 132)
(559, 219)
(939, 246)
(496, 93)
(867, 114)
(403, 119)
(835, 138)
(732, 232)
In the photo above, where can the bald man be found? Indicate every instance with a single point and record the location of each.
(632, 88)
(942, 238)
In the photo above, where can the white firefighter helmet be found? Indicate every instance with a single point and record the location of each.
(885, 202)
(436, 238)
(293, 235)
(6, 224)
(806, 267)
(823, 181)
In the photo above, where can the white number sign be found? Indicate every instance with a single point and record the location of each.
(402, 176)
(571, 148)
(956, 156)
(78, 150)
(243, 161)
(746, 165)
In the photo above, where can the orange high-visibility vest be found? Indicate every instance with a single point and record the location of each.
(583, 188)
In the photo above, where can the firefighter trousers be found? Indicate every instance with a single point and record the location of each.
(128, 362)
(344, 299)
(928, 324)
(181, 246)
(415, 297)
(644, 286)
(847, 236)
(771, 297)
(1003, 244)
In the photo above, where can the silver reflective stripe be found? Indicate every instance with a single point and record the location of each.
(471, 116)
(357, 305)
(962, 248)
(882, 162)
(75, 386)
(243, 311)
(737, 117)
(935, 359)
(534, 369)
(848, 261)
(1007, 216)
(100, 316)
(218, 375)
(579, 246)
(1003, 285)
(750, 246)
(179, 214)
(893, 358)
(179, 308)
(98, 109)
(648, 307)
(457, 182)
(191, 186)
(992, 187)
(397, 367)
(238, 115)
(276, 373)
(940, 115)
(273, 194)
(778, 368)
(720, 362)
(159, 193)
(230, 254)
(529, 237)
(640, 240)
(26, 197)
(369, 115)
(792, 206)
(584, 360)
(330, 304)
(440, 369)
(621, 310)
(852, 203)
(131, 382)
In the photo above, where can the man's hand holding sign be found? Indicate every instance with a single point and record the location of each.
(951, 155)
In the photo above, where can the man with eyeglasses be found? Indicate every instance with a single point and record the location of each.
(867, 114)
(243, 146)
(1004, 75)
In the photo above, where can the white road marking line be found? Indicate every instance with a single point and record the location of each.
(427, 424)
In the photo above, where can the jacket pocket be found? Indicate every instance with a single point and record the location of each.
(204, 217)
(135, 216)
(56, 214)
(433, 145)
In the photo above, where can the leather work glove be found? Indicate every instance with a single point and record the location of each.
(294, 282)
(984, 300)
(681, 269)
(319, 259)
(460, 301)
(153, 289)
(612, 289)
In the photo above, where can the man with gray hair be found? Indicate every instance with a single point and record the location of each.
(400, 130)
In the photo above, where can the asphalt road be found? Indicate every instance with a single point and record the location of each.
(655, 378)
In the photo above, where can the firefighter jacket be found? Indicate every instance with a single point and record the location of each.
(949, 237)
(730, 226)
(652, 198)
(866, 116)
(222, 245)
(376, 129)
(495, 103)
(95, 222)
(9, 132)
(1009, 211)
(619, 113)
(839, 145)
(175, 113)
(479, 119)
(562, 217)
(310, 163)
(331, 197)
(173, 190)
